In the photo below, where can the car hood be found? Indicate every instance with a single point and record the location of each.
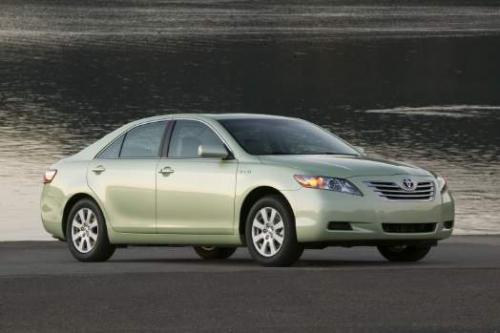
(344, 166)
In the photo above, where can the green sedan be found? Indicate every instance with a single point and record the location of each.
(276, 185)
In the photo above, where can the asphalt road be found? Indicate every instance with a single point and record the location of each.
(457, 288)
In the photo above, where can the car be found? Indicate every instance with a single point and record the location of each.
(274, 184)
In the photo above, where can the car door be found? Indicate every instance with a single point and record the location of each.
(123, 176)
(195, 195)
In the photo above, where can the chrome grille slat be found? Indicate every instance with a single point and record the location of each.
(403, 191)
(386, 187)
(393, 191)
(424, 195)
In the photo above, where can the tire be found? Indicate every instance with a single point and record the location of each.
(86, 233)
(214, 253)
(404, 253)
(259, 230)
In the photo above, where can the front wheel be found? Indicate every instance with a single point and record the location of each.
(270, 233)
(86, 233)
(214, 253)
(404, 253)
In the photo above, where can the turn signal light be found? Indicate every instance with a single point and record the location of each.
(49, 175)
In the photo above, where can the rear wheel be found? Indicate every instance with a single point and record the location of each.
(404, 253)
(214, 253)
(86, 233)
(270, 233)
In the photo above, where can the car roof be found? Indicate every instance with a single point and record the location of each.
(220, 116)
(214, 116)
(91, 151)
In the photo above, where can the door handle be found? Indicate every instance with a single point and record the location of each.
(166, 171)
(98, 169)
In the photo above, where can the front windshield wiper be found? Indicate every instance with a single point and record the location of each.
(330, 153)
(315, 153)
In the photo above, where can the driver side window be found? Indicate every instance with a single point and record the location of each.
(187, 136)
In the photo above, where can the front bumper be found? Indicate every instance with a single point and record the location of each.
(315, 209)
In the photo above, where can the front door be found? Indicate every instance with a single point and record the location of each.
(123, 177)
(195, 195)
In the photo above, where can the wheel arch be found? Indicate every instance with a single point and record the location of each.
(70, 203)
(252, 197)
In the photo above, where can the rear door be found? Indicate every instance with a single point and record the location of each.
(123, 176)
(195, 195)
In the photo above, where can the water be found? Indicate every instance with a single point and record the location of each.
(416, 82)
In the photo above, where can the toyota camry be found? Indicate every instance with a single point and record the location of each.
(274, 184)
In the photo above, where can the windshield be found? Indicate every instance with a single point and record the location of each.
(268, 136)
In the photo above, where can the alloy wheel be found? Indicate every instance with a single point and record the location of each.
(268, 231)
(84, 230)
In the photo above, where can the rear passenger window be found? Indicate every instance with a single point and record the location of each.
(144, 141)
(113, 150)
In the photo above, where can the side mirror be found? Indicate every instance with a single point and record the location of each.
(361, 150)
(213, 151)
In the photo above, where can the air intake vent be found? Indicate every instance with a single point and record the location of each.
(392, 191)
(408, 228)
(339, 226)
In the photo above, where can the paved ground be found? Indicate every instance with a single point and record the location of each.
(457, 288)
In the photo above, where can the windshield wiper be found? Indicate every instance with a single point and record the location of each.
(315, 153)
(330, 153)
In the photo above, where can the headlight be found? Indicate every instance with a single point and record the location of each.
(328, 183)
(442, 183)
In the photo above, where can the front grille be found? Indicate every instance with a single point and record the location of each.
(408, 228)
(392, 191)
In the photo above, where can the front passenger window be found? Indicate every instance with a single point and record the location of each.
(187, 136)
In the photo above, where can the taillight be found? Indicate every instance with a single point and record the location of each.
(49, 175)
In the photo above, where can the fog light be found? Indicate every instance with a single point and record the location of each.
(448, 224)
